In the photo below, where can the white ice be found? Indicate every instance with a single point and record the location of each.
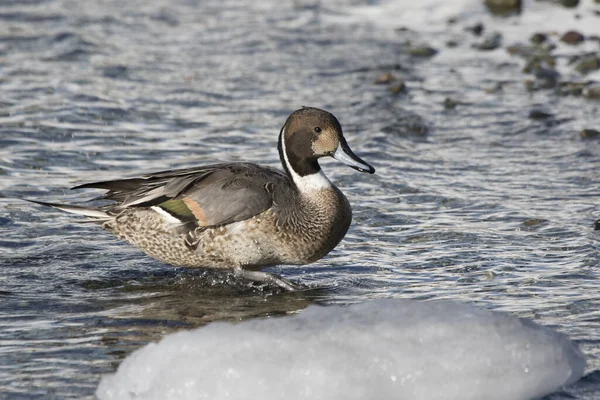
(384, 349)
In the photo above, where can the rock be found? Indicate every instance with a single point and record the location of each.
(489, 275)
(476, 29)
(451, 43)
(385, 78)
(491, 42)
(399, 87)
(534, 222)
(422, 51)
(530, 85)
(533, 65)
(450, 103)
(503, 7)
(588, 64)
(569, 3)
(114, 71)
(591, 92)
(546, 78)
(597, 225)
(570, 88)
(539, 114)
(538, 38)
(572, 37)
(520, 50)
(589, 134)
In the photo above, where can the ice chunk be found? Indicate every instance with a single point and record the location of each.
(384, 349)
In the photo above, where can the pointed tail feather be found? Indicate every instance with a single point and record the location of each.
(90, 212)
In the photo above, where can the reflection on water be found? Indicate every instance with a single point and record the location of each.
(478, 203)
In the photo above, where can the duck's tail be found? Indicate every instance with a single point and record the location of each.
(96, 214)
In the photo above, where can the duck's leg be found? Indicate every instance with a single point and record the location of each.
(259, 276)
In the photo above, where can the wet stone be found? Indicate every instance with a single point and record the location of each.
(398, 87)
(589, 134)
(572, 37)
(538, 38)
(476, 29)
(591, 92)
(520, 50)
(540, 62)
(491, 42)
(114, 71)
(547, 77)
(534, 222)
(385, 78)
(588, 64)
(421, 51)
(489, 275)
(569, 3)
(539, 114)
(450, 103)
(503, 7)
(570, 88)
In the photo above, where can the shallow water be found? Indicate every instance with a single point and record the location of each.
(479, 203)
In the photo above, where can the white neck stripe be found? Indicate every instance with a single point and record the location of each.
(308, 183)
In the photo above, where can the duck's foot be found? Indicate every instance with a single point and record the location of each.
(265, 277)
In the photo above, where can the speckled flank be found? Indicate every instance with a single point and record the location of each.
(301, 233)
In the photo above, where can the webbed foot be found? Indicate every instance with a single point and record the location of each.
(265, 277)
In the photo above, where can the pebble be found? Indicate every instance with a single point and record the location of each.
(422, 51)
(534, 222)
(570, 88)
(476, 29)
(539, 114)
(569, 3)
(489, 274)
(503, 7)
(385, 78)
(450, 103)
(491, 42)
(399, 87)
(538, 38)
(114, 71)
(589, 133)
(572, 37)
(591, 92)
(588, 64)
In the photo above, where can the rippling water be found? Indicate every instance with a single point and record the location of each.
(477, 204)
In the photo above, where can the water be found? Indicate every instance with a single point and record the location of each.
(488, 206)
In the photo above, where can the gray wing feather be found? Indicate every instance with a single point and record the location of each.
(216, 194)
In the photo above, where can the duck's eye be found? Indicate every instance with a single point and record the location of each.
(318, 130)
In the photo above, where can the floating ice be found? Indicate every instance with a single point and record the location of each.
(385, 349)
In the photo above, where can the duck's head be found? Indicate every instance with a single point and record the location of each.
(311, 133)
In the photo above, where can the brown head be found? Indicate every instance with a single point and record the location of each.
(309, 134)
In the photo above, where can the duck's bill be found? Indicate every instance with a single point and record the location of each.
(345, 155)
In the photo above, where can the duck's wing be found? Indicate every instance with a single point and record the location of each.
(209, 196)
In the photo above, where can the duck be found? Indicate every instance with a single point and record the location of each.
(240, 217)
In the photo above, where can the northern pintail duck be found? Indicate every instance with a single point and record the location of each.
(238, 216)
